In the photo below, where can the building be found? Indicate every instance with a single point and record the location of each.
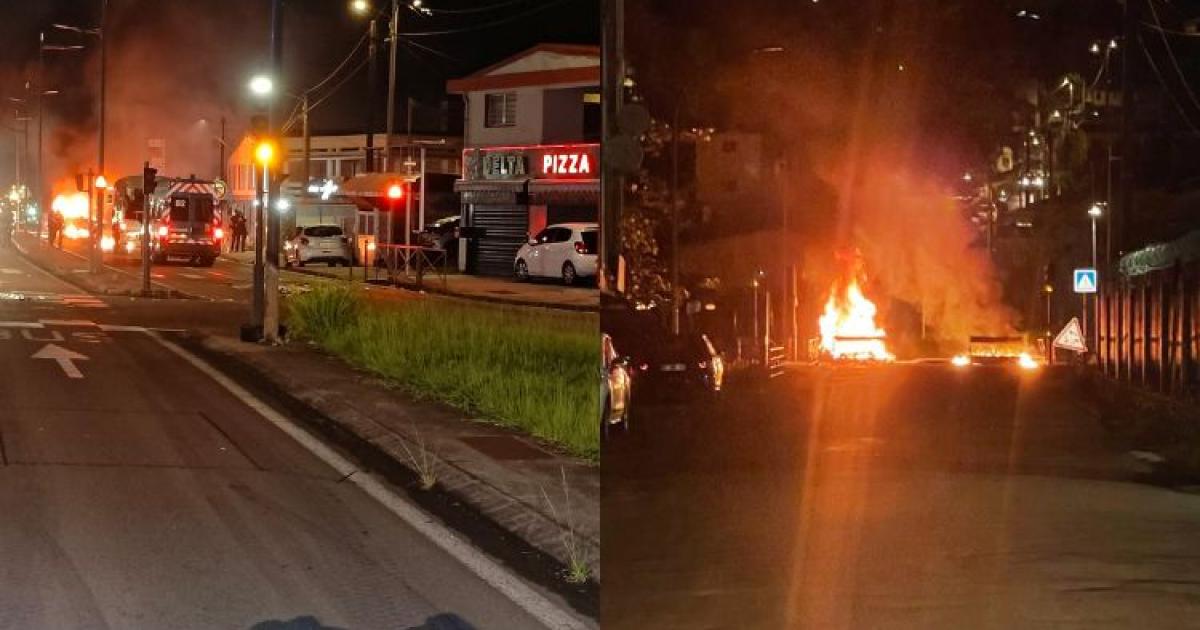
(531, 151)
(338, 178)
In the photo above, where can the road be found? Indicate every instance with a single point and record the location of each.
(138, 492)
(915, 496)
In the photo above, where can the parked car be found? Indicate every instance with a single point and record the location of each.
(663, 363)
(319, 243)
(616, 385)
(564, 250)
(443, 234)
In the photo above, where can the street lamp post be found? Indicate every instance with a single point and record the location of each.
(42, 92)
(1094, 213)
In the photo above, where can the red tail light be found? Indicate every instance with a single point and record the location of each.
(580, 248)
(163, 230)
(218, 234)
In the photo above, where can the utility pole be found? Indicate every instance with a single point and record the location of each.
(393, 36)
(221, 152)
(305, 173)
(612, 97)
(270, 320)
(372, 37)
(1122, 214)
(676, 293)
(43, 215)
(97, 230)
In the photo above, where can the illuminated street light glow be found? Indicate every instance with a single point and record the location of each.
(101, 183)
(264, 152)
(262, 85)
(360, 6)
(395, 191)
(283, 205)
(1095, 211)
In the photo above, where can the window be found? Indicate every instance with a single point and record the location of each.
(500, 110)
(323, 231)
(543, 237)
(560, 235)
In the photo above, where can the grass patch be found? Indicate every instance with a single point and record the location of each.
(525, 368)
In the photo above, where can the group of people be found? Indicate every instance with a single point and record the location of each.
(237, 230)
(55, 224)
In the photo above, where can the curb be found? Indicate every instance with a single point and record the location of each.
(455, 499)
(161, 292)
(427, 288)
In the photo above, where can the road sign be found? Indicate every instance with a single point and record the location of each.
(1085, 280)
(1071, 337)
(64, 357)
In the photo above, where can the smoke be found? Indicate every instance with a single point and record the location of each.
(174, 69)
(866, 169)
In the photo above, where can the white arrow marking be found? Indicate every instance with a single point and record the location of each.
(63, 356)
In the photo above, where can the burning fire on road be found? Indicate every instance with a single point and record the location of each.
(848, 327)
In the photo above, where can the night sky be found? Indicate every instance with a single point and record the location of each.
(177, 67)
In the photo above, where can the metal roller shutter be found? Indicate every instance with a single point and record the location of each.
(507, 228)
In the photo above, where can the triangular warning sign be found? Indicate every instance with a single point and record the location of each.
(1071, 337)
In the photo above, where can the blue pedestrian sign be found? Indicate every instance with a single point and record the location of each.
(1085, 280)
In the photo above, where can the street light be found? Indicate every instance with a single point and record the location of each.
(360, 7)
(262, 85)
(1095, 212)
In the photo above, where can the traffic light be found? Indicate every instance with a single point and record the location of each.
(149, 182)
(395, 191)
(264, 152)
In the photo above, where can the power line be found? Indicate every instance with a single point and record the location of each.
(490, 7)
(1166, 88)
(480, 27)
(1171, 54)
(433, 51)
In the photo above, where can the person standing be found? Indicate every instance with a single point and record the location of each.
(239, 232)
(54, 224)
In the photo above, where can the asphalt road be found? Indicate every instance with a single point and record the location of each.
(916, 496)
(139, 493)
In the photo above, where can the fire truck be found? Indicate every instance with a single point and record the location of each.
(184, 214)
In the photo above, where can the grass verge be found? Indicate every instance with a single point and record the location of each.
(524, 368)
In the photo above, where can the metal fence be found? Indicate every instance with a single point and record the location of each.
(1147, 331)
(409, 264)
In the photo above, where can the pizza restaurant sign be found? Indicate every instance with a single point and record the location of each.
(579, 161)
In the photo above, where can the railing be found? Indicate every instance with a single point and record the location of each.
(407, 264)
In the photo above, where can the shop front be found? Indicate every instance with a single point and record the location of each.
(510, 193)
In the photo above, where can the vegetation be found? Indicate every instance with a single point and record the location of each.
(525, 368)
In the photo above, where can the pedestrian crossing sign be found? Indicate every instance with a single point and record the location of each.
(1085, 280)
(1071, 337)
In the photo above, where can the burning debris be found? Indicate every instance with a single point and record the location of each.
(848, 328)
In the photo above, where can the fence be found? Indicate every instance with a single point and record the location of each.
(406, 264)
(1147, 330)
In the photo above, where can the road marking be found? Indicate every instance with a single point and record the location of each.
(483, 567)
(11, 272)
(21, 325)
(65, 358)
(192, 276)
(66, 322)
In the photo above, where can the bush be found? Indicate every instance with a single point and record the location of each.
(526, 368)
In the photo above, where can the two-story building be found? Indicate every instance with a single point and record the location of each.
(341, 185)
(531, 150)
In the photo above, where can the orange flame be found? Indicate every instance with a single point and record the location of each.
(848, 328)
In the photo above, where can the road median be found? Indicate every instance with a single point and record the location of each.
(538, 500)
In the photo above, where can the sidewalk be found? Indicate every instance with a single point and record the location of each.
(502, 290)
(549, 501)
(73, 268)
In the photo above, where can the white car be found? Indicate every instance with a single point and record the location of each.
(564, 250)
(319, 243)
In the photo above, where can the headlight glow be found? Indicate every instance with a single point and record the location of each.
(961, 360)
